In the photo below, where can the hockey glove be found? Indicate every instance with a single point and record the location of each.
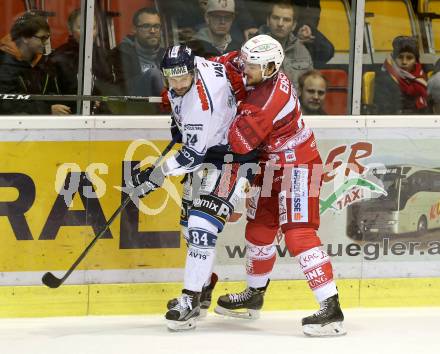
(165, 106)
(147, 181)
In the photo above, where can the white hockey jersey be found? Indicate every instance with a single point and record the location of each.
(203, 116)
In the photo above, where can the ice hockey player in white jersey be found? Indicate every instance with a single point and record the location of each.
(203, 107)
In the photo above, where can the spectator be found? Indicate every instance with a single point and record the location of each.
(190, 17)
(307, 14)
(280, 23)
(22, 68)
(320, 48)
(137, 57)
(400, 87)
(215, 39)
(434, 89)
(311, 91)
(65, 61)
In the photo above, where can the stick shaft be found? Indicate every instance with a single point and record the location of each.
(110, 221)
(25, 97)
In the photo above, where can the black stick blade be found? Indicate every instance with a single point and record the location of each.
(51, 280)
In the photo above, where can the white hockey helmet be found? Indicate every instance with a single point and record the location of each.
(262, 50)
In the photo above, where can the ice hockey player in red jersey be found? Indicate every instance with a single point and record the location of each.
(286, 193)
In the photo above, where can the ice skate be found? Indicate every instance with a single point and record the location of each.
(205, 297)
(184, 314)
(246, 304)
(327, 321)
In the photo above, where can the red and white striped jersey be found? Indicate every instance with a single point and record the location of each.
(270, 119)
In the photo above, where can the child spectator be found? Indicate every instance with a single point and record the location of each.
(401, 87)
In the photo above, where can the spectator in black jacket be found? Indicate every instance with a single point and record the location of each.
(65, 61)
(137, 58)
(320, 48)
(22, 67)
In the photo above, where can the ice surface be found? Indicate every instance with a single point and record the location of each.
(372, 331)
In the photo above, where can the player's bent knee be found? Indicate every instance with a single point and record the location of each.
(299, 240)
(260, 234)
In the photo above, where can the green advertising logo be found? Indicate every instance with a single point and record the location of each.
(344, 188)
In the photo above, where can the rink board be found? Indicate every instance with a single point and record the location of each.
(151, 298)
(47, 217)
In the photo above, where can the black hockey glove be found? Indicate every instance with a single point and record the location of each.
(147, 181)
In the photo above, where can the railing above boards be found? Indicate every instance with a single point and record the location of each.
(163, 122)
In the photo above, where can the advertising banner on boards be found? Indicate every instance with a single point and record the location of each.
(379, 205)
(57, 195)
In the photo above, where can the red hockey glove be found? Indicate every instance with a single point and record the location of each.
(165, 106)
(225, 58)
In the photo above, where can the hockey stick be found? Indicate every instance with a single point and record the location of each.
(26, 97)
(51, 280)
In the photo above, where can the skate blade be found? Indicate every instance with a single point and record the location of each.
(246, 314)
(203, 314)
(177, 326)
(329, 330)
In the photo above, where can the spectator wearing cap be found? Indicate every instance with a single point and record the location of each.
(400, 87)
(189, 16)
(434, 89)
(215, 39)
(22, 68)
(312, 89)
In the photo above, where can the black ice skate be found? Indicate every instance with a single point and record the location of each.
(327, 321)
(184, 314)
(205, 297)
(246, 304)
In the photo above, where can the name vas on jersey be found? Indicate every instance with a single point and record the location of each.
(203, 116)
